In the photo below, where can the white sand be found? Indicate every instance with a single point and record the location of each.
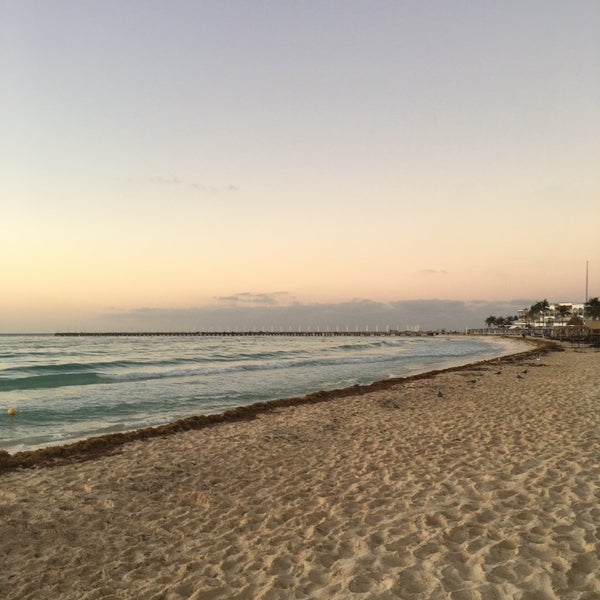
(491, 491)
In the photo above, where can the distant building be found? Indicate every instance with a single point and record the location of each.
(557, 315)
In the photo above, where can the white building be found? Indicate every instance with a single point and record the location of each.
(556, 315)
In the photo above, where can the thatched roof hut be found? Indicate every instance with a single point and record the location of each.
(575, 321)
(574, 330)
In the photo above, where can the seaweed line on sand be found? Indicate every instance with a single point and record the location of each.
(94, 447)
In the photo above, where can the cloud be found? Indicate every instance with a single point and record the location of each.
(251, 299)
(279, 311)
(173, 180)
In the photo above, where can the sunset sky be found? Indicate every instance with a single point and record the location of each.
(178, 155)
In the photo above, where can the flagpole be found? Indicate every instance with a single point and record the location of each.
(586, 290)
(586, 280)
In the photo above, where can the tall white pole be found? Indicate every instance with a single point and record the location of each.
(586, 280)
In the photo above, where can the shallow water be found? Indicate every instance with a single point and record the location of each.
(68, 388)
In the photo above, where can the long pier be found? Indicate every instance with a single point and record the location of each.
(326, 333)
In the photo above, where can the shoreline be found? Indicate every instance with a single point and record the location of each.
(475, 483)
(96, 446)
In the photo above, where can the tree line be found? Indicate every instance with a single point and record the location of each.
(501, 322)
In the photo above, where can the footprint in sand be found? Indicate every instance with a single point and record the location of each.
(502, 574)
(582, 571)
(361, 584)
(458, 535)
(427, 551)
(501, 552)
(411, 581)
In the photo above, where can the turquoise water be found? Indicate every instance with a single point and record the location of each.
(65, 389)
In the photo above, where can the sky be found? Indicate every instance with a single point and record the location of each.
(202, 159)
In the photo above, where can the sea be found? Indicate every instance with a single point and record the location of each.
(63, 389)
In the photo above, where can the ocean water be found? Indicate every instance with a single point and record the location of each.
(69, 388)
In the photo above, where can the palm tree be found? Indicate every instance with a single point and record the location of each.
(533, 312)
(563, 312)
(544, 308)
(491, 320)
(539, 309)
(592, 308)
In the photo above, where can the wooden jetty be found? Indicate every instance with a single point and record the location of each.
(326, 333)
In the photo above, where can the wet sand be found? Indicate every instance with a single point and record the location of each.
(481, 482)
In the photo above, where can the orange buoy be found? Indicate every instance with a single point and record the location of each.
(12, 411)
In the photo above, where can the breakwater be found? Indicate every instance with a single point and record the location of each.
(325, 333)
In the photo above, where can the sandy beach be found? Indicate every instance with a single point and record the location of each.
(478, 483)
